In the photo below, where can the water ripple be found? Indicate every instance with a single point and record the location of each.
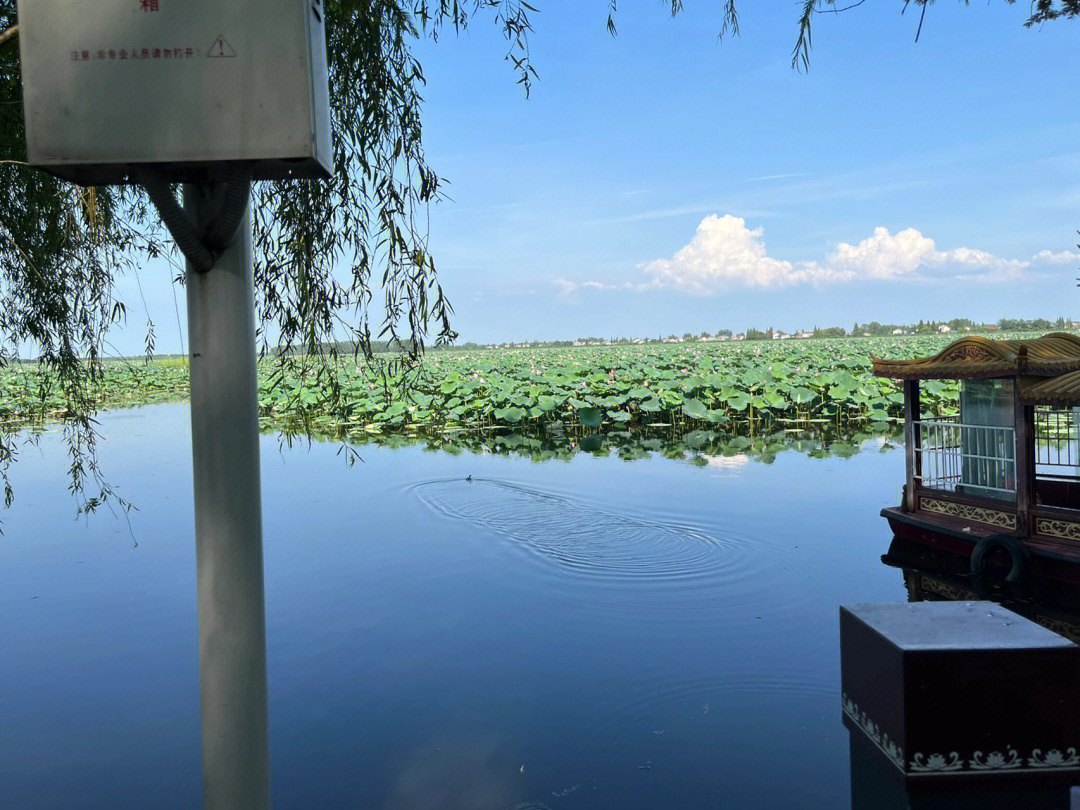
(584, 541)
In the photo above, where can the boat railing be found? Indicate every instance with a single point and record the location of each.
(968, 459)
(1057, 444)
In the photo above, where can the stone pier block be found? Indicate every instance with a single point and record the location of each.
(968, 690)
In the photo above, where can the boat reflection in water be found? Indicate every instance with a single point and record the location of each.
(930, 575)
(878, 784)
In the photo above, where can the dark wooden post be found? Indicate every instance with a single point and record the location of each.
(914, 583)
(1023, 420)
(912, 440)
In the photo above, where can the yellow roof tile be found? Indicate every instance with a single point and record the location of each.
(1063, 390)
(970, 357)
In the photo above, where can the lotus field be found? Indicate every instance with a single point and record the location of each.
(692, 385)
(730, 385)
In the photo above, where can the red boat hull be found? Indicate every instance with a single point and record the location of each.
(1047, 567)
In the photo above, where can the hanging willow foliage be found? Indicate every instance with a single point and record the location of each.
(323, 251)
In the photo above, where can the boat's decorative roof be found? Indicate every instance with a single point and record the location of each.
(1063, 390)
(973, 356)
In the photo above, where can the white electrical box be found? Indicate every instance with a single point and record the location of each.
(110, 86)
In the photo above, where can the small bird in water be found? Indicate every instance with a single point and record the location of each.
(468, 478)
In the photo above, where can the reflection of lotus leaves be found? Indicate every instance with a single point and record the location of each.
(593, 443)
(553, 440)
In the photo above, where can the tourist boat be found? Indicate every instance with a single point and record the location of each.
(1002, 477)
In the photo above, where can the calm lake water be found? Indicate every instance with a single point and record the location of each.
(592, 633)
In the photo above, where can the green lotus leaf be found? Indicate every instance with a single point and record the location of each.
(737, 401)
(695, 409)
(512, 414)
(651, 405)
(590, 417)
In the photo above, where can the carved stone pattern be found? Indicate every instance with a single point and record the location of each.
(872, 730)
(1054, 759)
(1002, 761)
(967, 353)
(1058, 528)
(1003, 520)
(996, 760)
(936, 762)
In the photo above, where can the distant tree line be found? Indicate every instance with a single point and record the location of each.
(873, 329)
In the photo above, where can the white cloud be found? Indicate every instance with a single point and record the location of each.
(724, 253)
(1049, 257)
(885, 256)
(567, 287)
(909, 254)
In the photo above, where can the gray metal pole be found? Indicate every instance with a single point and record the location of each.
(228, 524)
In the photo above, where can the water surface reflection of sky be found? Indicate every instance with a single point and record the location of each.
(585, 633)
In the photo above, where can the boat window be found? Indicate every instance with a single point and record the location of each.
(987, 440)
(1057, 457)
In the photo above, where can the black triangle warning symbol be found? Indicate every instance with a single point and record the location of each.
(221, 49)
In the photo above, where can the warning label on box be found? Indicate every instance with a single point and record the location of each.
(221, 49)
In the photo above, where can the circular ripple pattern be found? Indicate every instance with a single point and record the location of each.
(585, 541)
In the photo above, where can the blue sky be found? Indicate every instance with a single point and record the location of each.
(664, 182)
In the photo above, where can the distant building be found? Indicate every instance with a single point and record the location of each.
(943, 329)
(898, 331)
